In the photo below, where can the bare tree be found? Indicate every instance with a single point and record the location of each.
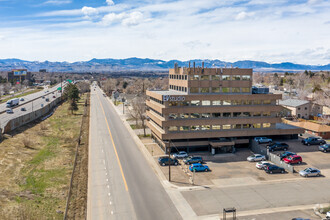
(83, 86)
(138, 112)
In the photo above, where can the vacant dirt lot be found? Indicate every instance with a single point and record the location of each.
(36, 165)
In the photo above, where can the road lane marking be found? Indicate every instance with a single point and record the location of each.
(114, 146)
(108, 186)
(111, 212)
(107, 180)
(109, 194)
(110, 203)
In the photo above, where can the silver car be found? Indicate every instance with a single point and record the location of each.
(256, 157)
(310, 172)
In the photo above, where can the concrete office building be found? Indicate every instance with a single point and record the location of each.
(213, 109)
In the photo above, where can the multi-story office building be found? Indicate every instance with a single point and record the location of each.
(212, 109)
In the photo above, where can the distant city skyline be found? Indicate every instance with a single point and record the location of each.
(68, 30)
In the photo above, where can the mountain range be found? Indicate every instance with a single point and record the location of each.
(139, 64)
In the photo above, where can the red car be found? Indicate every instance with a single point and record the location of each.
(293, 159)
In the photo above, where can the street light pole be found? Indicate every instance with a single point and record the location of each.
(169, 163)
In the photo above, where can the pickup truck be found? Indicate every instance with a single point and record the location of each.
(313, 141)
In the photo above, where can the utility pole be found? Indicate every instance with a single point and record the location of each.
(61, 87)
(169, 161)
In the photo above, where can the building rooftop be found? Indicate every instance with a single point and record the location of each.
(169, 92)
(293, 102)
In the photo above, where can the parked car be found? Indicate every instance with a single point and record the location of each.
(277, 146)
(324, 148)
(263, 140)
(180, 155)
(9, 111)
(328, 215)
(23, 109)
(261, 165)
(193, 159)
(198, 167)
(166, 161)
(293, 159)
(313, 141)
(310, 172)
(274, 169)
(21, 99)
(286, 154)
(256, 157)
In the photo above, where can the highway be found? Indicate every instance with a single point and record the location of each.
(29, 106)
(121, 184)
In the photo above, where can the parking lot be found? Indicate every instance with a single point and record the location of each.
(234, 169)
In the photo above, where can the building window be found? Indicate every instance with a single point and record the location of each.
(225, 77)
(180, 77)
(238, 126)
(195, 103)
(184, 128)
(225, 89)
(236, 114)
(195, 77)
(226, 114)
(305, 108)
(172, 116)
(256, 114)
(298, 108)
(205, 90)
(206, 115)
(185, 77)
(236, 102)
(257, 102)
(172, 128)
(266, 114)
(266, 102)
(246, 77)
(194, 128)
(205, 77)
(194, 115)
(205, 127)
(226, 102)
(246, 90)
(194, 90)
(236, 77)
(206, 102)
(235, 90)
(246, 125)
(184, 103)
(246, 114)
(184, 115)
(216, 102)
(266, 125)
(225, 126)
(257, 125)
(216, 127)
(173, 104)
(185, 89)
(216, 115)
(215, 89)
(246, 102)
(215, 77)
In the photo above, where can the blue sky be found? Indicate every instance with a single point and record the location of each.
(229, 30)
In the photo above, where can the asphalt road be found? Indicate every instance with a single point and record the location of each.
(35, 105)
(121, 183)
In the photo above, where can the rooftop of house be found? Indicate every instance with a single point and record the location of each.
(293, 102)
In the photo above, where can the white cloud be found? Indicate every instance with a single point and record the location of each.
(244, 15)
(89, 12)
(57, 2)
(110, 2)
(127, 19)
(2, 37)
(133, 18)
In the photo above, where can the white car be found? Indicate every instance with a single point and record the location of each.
(260, 165)
(328, 215)
(256, 157)
(310, 172)
(180, 155)
(263, 140)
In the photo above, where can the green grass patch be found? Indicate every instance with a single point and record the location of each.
(133, 126)
(42, 155)
(142, 136)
